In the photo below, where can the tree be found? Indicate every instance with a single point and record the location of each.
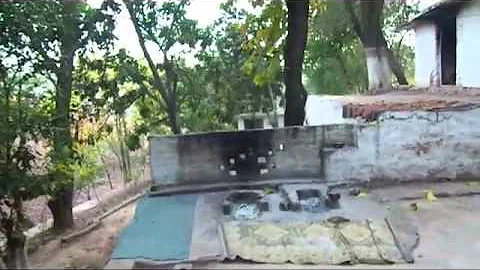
(106, 86)
(396, 14)
(62, 202)
(334, 61)
(240, 73)
(22, 120)
(265, 40)
(381, 61)
(46, 37)
(295, 94)
(277, 28)
(166, 26)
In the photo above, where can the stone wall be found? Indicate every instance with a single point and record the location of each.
(411, 146)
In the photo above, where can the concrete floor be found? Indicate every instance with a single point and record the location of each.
(449, 228)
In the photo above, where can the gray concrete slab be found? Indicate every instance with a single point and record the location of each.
(448, 229)
(205, 239)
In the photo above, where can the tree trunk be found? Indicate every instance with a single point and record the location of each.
(396, 67)
(16, 253)
(274, 122)
(173, 119)
(107, 172)
(127, 151)
(122, 149)
(61, 204)
(295, 94)
(381, 61)
(13, 226)
(379, 72)
(61, 207)
(158, 84)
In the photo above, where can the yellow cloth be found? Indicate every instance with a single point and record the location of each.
(318, 242)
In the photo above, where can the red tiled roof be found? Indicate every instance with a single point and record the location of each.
(371, 111)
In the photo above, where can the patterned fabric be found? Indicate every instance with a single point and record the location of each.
(318, 242)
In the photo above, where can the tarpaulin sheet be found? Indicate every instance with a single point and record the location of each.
(160, 230)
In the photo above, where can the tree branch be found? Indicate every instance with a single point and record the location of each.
(158, 83)
(355, 21)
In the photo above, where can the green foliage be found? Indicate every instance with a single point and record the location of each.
(240, 62)
(32, 32)
(104, 87)
(166, 24)
(334, 61)
(224, 84)
(265, 39)
(22, 122)
(33, 36)
(202, 108)
(87, 166)
(396, 15)
(44, 38)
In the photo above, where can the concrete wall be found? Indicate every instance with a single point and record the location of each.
(426, 55)
(468, 45)
(293, 152)
(407, 146)
(400, 146)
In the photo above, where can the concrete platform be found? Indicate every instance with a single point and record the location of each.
(448, 228)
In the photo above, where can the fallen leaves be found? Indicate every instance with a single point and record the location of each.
(268, 190)
(430, 196)
(362, 194)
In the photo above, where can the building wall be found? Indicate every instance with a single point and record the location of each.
(468, 45)
(426, 56)
(240, 124)
(321, 110)
(410, 146)
(266, 122)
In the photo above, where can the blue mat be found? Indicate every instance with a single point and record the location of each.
(160, 230)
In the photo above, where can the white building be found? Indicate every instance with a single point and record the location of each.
(447, 44)
(323, 110)
(259, 120)
(319, 110)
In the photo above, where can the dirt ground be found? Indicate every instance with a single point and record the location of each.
(37, 210)
(89, 251)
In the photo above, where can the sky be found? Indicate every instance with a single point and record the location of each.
(204, 11)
